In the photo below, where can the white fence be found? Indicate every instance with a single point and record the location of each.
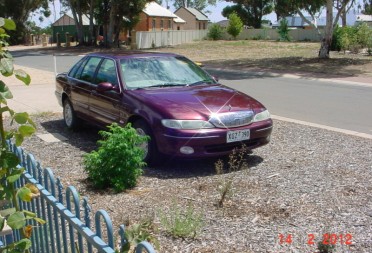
(168, 38)
(272, 34)
(146, 40)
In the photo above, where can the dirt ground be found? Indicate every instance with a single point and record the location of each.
(281, 57)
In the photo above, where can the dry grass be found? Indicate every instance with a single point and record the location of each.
(290, 57)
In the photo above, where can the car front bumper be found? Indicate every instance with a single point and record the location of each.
(211, 142)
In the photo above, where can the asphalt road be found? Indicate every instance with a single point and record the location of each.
(340, 105)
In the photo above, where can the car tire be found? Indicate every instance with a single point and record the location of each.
(152, 155)
(69, 115)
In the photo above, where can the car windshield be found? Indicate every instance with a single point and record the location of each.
(164, 71)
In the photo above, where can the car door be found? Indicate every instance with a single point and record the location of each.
(80, 79)
(105, 105)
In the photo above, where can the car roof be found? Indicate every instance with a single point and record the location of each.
(131, 54)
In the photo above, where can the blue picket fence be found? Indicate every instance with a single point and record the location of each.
(68, 228)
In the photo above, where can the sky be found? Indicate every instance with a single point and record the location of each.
(214, 13)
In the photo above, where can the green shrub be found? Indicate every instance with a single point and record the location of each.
(182, 224)
(235, 26)
(283, 30)
(352, 38)
(363, 35)
(118, 162)
(215, 32)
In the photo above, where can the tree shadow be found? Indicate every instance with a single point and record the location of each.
(272, 67)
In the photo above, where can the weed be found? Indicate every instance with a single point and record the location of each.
(325, 248)
(236, 162)
(136, 233)
(185, 224)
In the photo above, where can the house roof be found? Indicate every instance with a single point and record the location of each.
(179, 20)
(199, 15)
(69, 14)
(153, 9)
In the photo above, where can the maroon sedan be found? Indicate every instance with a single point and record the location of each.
(183, 109)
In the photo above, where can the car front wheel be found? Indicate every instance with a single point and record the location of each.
(69, 115)
(151, 154)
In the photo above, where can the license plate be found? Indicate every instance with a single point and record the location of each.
(238, 135)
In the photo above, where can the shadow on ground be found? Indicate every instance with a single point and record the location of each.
(307, 67)
(85, 139)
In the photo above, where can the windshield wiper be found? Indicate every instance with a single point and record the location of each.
(166, 85)
(206, 81)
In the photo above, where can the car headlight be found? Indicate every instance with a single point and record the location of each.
(261, 116)
(186, 124)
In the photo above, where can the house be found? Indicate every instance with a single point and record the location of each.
(66, 24)
(195, 20)
(364, 19)
(297, 22)
(179, 23)
(154, 17)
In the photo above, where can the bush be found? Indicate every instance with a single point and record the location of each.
(283, 30)
(352, 38)
(235, 26)
(118, 162)
(215, 32)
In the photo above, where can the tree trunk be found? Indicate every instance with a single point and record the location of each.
(92, 37)
(327, 40)
(110, 31)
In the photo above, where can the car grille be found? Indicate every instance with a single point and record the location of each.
(232, 119)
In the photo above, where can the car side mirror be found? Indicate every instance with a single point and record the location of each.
(105, 86)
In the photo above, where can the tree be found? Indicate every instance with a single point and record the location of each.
(313, 9)
(367, 7)
(19, 11)
(197, 4)
(250, 11)
(235, 26)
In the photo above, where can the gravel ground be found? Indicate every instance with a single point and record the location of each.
(307, 182)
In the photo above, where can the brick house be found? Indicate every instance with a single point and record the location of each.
(195, 20)
(155, 18)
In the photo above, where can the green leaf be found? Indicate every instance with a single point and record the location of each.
(17, 220)
(23, 245)
(40, 221)
(21, 118)
(13, 178)
(4, 91)
(2, 22)
(7, 65)
(24, 194)
(29, 214)
(2, 223)
(9, 24)
(7, 211)
(8, 160)
(26, 130)
(18, 139)
(2, 31)
(23, 76)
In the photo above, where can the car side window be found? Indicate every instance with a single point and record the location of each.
(107, 73)
(76, 70)
(89, 69)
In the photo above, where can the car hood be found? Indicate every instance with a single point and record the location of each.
(196, 102)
